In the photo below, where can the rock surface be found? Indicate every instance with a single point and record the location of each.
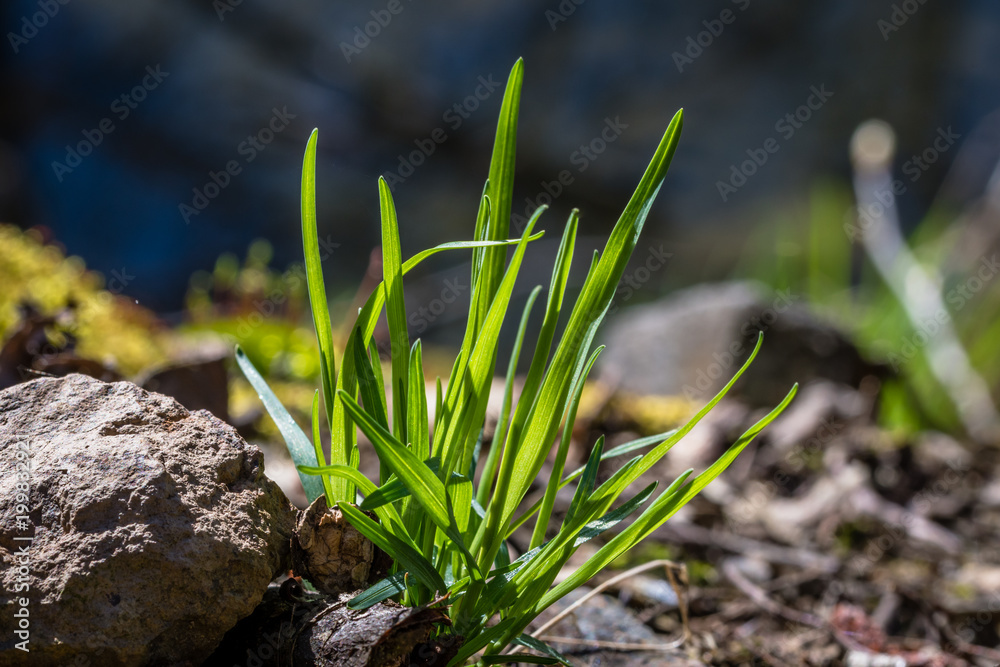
(155, 530)
(694, 341)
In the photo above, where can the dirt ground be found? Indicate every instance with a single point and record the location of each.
(828, 542)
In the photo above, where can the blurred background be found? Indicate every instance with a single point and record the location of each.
(150, 158)
(161, 144)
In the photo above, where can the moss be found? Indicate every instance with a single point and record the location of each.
(108, 328)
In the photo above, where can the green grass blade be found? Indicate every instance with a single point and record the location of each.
(654, 455)
(417, 427)
(404, 554)
(371, 389)
(586, 485)
(475, 643)
(713, 471)
(394, 489)
(467, 403)
(500, 186)
(588, 311)
(391, 586)
(493, 458)
(540, 646)
(614, 517)
(524, 457)
(416, 406)
(318, 447)
(620, 450)
(343, 436)
(314, 274)
(299, 447)
(552, 487)
(665, 506)
(395, 308)
(543, 343)
(425, 486)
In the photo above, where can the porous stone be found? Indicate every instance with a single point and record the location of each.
(154, 528)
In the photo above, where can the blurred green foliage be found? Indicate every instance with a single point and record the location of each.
(107, 327)
(264, 310)
(805, 248)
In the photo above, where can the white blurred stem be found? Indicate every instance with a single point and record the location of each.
(916, 287)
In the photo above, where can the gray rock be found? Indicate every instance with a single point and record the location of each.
(694, 341)
(155, 529)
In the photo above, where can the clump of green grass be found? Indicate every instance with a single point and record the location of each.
(447, 535)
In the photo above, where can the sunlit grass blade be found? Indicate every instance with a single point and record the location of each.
(408, 557)
(587, 482)
(500, 186)
(523, 460)
(650, 458)
(318, 448)
(314, 274)
(620, 450)
(549, 499)
(543, 343)
(391, 586)
(467, 403)
(343, 444)
(394, 489)
(299, 447)
(592, 303)
(395, 308)
(496, 446)
(713, 471)
(416, 405)
(662, 509)
(538, 645)
(425, 486)
(368, 383)
(614, 517)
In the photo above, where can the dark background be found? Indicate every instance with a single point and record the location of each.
(229, 66)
